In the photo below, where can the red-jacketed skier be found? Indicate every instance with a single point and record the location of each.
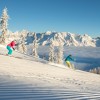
(10, 47)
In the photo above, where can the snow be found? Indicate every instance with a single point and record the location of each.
(27, 79)
(67, 38)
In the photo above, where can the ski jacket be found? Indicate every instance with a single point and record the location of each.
(69, 58)
(12, 44)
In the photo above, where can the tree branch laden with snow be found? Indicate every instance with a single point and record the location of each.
(3, 25)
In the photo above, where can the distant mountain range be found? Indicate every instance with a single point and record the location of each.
(66, 38)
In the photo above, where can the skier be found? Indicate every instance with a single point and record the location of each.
(10, 47)
(68, 59)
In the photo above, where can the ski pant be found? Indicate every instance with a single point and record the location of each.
(9, 50)
(68, 64)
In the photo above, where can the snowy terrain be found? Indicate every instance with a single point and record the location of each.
(28, 79)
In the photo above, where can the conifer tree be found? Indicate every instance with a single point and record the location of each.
(59, 51)
(60, 54)
(35, 46)
(3, 25)
(95, 70)
(98, 70)
(22, 46)
(51, 52)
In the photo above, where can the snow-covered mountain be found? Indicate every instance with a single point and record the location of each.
(67, 38)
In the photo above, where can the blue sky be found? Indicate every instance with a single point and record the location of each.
(75, 16)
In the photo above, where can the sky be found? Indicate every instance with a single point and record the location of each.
(75, 16)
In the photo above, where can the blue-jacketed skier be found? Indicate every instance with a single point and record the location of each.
(68, 59)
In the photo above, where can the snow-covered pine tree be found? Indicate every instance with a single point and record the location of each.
(59, 51)
(22, 45)
(22, 48)
(19, 48)
(3, 25)
(95, 70)
(98, 70)
(51, 52)
(60, 54)
(56, 55)
(35, 46)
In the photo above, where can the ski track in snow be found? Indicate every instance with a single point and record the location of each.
(17, 90)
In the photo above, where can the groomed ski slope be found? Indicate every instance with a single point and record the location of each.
(26, 79)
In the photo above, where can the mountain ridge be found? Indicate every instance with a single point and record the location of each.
(66, 38)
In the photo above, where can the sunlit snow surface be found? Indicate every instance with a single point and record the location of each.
(30, 79)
